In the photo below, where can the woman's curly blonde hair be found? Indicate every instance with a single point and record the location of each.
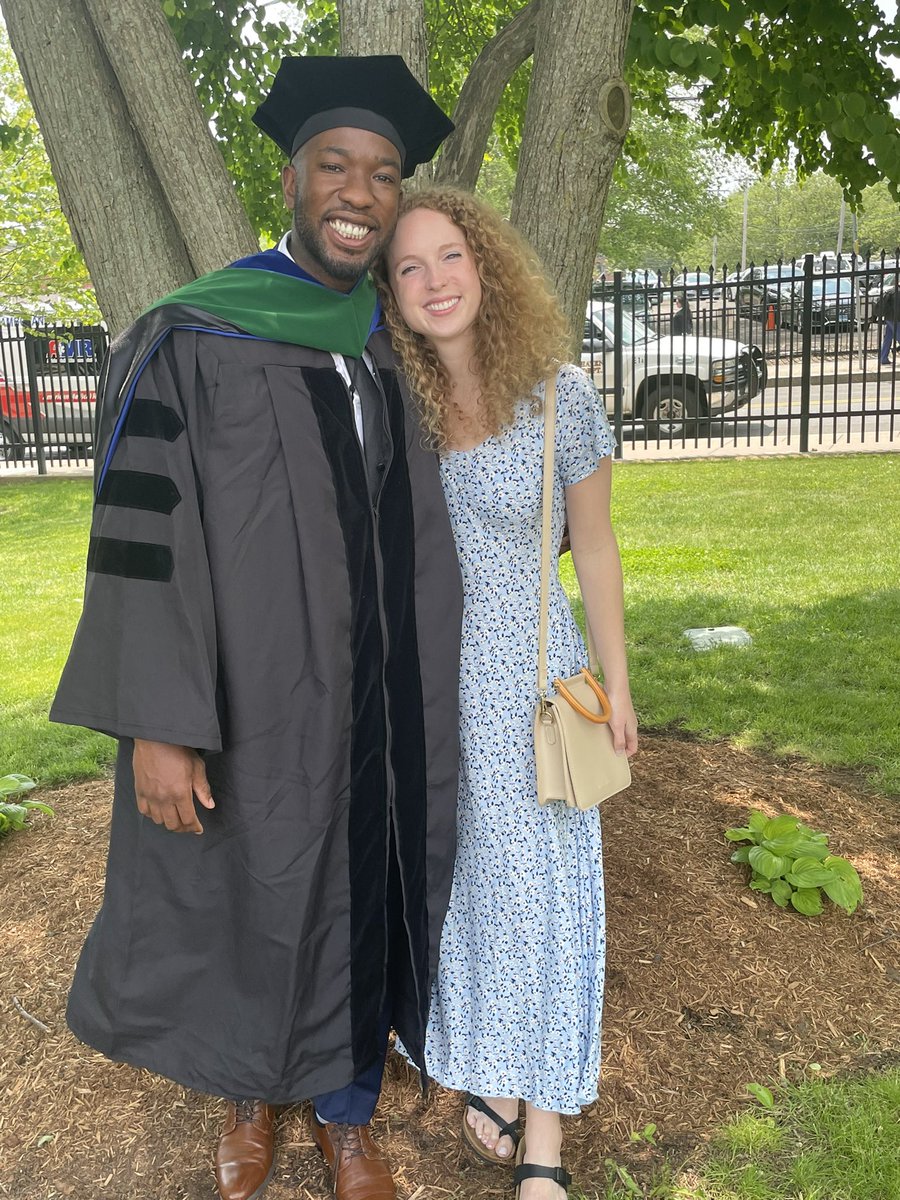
(520, 331)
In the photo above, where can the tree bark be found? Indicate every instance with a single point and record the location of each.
(577, 116)
(389, 27)
(386, 27)
(135, 245)
(480, 95)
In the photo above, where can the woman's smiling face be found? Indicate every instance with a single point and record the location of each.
(434, 277)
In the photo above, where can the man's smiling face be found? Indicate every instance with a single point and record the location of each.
(343, 186)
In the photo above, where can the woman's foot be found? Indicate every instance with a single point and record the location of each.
(487, 1131)
(542, 1147)
(541, 1189)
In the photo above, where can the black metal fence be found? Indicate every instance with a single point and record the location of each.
(48, 381)
(785, 356)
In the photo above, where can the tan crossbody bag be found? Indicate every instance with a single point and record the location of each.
(573, 744)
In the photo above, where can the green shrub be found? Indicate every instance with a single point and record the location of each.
(14, 808)
(792, 864)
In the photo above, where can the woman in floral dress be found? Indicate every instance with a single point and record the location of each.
(517, 1001)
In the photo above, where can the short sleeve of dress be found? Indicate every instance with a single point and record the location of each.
(583, 434)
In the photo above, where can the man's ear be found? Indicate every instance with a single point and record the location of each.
(289, 185)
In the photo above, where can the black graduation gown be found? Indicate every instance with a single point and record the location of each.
(244, 597)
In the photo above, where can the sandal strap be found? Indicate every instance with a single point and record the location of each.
(533, 1171)
(511, 1129)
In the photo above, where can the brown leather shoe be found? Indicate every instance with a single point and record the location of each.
(245, 1158)
(358, 1171)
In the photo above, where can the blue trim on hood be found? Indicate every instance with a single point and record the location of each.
(129, 396)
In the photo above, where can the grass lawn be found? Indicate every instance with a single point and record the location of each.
(821, 1140)
(43, 543)
(805, 555)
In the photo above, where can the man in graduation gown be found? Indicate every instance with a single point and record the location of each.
(271, 630)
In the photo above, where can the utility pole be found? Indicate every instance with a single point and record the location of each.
(744, 228)
(840, 241)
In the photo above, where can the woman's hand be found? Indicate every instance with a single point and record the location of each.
(623, 722)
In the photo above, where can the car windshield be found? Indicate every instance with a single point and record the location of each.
(693, 278)
(633, 330)
(830, 287)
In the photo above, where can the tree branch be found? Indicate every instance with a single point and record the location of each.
(463, 152)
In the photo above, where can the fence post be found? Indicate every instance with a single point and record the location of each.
(34, 399)
(806, 352)
(618, 395)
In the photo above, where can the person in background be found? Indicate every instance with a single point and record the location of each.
(682, 318)
(888, 310)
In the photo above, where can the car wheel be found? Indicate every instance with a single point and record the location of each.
(673, 410)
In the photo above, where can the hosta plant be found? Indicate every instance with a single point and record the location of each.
(14, 808)
(793, 864)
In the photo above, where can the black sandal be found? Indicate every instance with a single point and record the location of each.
(526, 1170)
(511, 1129)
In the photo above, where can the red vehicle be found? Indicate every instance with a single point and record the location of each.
(63, 418)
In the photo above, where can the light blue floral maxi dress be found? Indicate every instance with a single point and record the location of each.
(517, 1002)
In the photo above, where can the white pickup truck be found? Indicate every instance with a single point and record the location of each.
(673, 384)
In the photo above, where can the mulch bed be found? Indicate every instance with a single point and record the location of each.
(709, 987)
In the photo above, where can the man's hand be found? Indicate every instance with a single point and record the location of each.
(166, 780)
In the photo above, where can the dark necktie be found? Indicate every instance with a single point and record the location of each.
(376, 445)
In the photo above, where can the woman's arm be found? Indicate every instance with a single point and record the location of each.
(595, 554)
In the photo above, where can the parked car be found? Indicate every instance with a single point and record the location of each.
(672, 384)
(697, 285)
(833, 303)
(755, 289)
(66, 400)
(639, 289)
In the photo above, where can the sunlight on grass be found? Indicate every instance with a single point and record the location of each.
(804, 554)
(835, 1139)
(43, 542)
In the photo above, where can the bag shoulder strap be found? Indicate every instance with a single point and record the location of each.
(547, 495)
(546, 533)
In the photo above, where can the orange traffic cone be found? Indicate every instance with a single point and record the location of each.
(770, 318)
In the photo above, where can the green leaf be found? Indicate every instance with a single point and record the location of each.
(11, 785)
(854, 105)
(842, 868)
(741, 855)
(45, 1139)
(807, 848)
(781, 892)
(779, 827)
(15, 815)
(768, 864)
(757, 821)
(739, 834)
(812, 877)
(807, 901)
(762, 1094)
(36, 804)
(760, 884)
(843, 894)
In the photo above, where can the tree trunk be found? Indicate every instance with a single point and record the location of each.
(578, 113)
(389, 27)
(480, 95)
(108, 159)
(386, 27)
